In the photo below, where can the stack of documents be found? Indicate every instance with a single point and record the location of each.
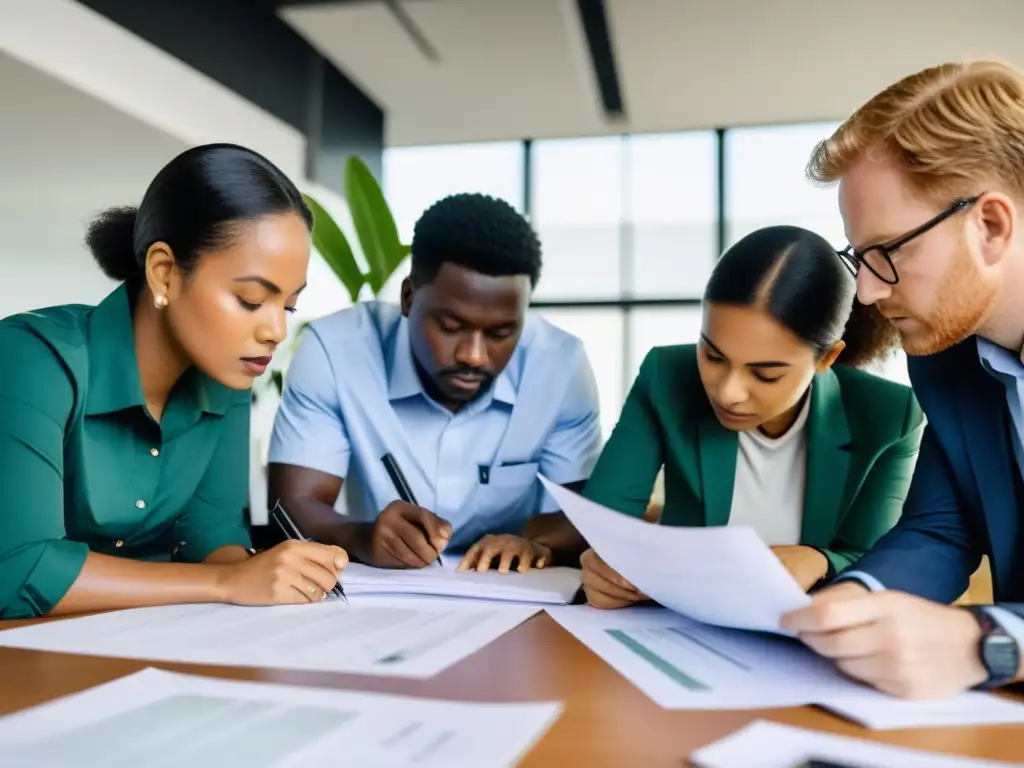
(721, 575)
(162, 719)
(769, 745)
(547, 586)
(716, 643)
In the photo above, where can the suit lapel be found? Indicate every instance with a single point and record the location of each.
(828, 461)
(984, 417)
(718, 447)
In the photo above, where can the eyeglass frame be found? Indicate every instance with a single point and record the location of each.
(853, 259)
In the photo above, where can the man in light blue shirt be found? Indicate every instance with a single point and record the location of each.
(466, 391)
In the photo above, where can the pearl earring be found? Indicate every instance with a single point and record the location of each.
(160, 302)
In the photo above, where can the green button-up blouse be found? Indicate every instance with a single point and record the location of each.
(84, 467)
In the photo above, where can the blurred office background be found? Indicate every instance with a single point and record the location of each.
(641, 137)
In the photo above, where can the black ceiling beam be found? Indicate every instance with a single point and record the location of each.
(247, 47)
(597, 32)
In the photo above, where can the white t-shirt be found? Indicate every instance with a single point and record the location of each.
(768, 492)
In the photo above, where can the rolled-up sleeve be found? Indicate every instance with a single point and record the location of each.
(37, 563)
(571, 450)
(309, 430)
(214, 516)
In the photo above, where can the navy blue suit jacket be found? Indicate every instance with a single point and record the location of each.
(965, 496)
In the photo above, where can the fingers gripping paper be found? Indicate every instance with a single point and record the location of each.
(724, 576)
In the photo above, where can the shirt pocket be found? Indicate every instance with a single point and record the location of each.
(506, 501)
(511, 476)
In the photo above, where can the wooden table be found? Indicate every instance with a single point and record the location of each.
(606, 721)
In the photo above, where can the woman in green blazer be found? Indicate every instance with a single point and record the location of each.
(767, 420)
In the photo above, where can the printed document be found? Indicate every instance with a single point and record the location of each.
(399, 637)
(163, 719)
(763, 744)
(683, 664)
(724, 575)
(545, 586)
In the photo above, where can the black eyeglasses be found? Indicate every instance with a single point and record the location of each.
(878, 258)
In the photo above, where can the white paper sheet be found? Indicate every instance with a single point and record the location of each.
(763, 744)
(163, 719)
(545, 586)
(377, 636)
(683, 664)
(721, 575)
(890, 713)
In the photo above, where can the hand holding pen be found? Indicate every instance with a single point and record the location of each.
(405, 535)
(315, 583)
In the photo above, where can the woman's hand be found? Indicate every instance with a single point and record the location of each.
(604, 587)
(505, 548)
(292, 572)
(806, 564)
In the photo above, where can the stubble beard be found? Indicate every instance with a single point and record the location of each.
(963, 301)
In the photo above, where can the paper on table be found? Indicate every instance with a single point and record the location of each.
(722, 575)
(769, 745)
(165, 720)
(890, 713)
(545, 586)
(683, 664)
(378, 636)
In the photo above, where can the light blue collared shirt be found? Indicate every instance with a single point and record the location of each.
(353, 394)
(1008, 369)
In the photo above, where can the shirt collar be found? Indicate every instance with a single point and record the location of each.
(114, 383)
(998, 360)
(404, 380)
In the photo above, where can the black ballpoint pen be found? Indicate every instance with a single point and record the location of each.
(404, 491)
(291, 531)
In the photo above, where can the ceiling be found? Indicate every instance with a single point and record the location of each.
(511, 69)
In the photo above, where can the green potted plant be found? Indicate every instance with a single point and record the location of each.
(375, 229)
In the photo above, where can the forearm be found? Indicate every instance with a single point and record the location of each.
(227, 555)
(321, 522)
(113, 583)
(555, 532)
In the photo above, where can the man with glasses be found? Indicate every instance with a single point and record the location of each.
(931, 189)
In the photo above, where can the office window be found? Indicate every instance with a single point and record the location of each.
(576, 193)
(671, 200)
(651, 327)
(765, 182)
(601, 331)
(416, 177)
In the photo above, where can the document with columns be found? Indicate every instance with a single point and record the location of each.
(164, 719)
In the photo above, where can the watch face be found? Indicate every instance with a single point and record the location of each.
(1001, 656)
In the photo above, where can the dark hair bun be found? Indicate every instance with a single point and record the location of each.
(110, 238)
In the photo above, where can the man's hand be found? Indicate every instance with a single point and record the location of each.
(407, 536)
(505, 548)
(604, 587)
(806, 564)
(901, 644)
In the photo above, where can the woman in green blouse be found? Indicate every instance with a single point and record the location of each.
(124, 427)
(767, 421)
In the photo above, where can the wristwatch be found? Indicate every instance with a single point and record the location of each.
(997, 648)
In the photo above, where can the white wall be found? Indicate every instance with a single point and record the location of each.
(88, 114)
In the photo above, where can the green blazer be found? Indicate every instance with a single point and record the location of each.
(863, 437)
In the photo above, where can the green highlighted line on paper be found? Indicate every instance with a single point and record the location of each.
(656, 661)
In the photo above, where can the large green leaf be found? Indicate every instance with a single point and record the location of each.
(374, 224)
(334, 247)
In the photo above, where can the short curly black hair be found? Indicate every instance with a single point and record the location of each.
(478, 232)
